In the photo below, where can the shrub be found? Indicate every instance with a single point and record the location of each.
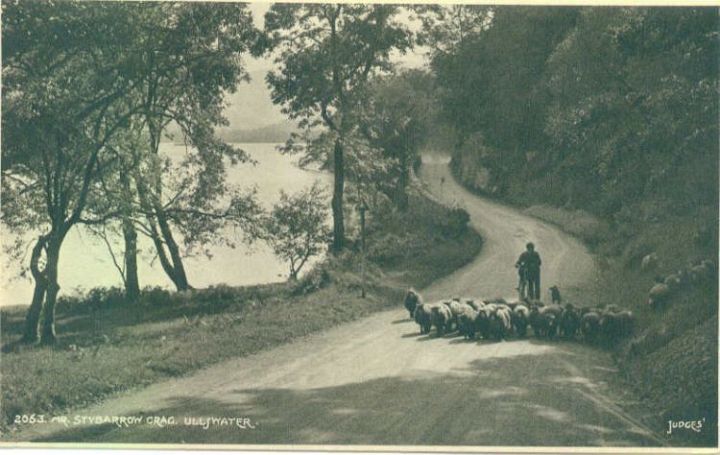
(155, 296)
(296, 229)
(456, 222)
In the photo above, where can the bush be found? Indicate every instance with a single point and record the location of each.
(456, 223)
(155, 296)
(215, 294)
(317, 278)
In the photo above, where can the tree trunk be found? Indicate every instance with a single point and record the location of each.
(32, 318)
(47, 333)
(337, 199)
(132, 283)
(179, 276)
(175, 269)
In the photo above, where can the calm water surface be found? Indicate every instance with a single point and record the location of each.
(85, 262)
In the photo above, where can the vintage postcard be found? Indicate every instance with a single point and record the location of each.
(359, 227)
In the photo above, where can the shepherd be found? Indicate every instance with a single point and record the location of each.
(530, 262)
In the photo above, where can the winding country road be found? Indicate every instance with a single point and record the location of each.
(377, 381)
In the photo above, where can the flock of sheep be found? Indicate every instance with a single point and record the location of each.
(498, 319)
(697, 273)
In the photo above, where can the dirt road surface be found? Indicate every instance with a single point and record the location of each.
(377, 381)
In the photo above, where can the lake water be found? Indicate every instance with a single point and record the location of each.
(85, 262)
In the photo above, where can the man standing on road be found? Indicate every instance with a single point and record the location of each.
(530, 261)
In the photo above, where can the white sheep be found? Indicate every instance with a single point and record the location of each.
(649, 262)
(441, 318)
(660, 293)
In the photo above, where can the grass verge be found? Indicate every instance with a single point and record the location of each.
(107, 345)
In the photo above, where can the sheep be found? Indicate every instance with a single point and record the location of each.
(441, 318)
(551, 314)
(466, 323)
(477, 304)
(612, 308)
(544, 320)
(482, 321)
(659, 294)
(569, 321)
(520, 319)
(535, 320)
(702, 271)
(649, 262)
(534, 302)
(590, 326)
(673, 280)
(457, 308)
(412, 300)
(616, 324)
(584, 310)
(501, 322)
(422, 316)
(709, 265)
(555, 295)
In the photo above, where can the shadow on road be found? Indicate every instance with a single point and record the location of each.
(521, 400)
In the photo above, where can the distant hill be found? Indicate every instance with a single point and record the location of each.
(252, 115)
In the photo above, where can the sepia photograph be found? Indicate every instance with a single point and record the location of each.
(377, 227)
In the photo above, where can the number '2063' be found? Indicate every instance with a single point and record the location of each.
(32, 418)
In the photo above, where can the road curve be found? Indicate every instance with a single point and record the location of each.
(376, 381)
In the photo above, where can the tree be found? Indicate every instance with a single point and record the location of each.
(61, 107)
(397, 116)
(77, 77)
(446, 28)
(296, 228)
(634, 107)
(326, 54)
(191, 56)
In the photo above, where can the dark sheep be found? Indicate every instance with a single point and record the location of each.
(482, 321)
(536, 321)
(614, 325)
(412, 300)
(466, 323)
(544, 320)
(520, 319)
(590, 326)
(422, 317)
(569, 322)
